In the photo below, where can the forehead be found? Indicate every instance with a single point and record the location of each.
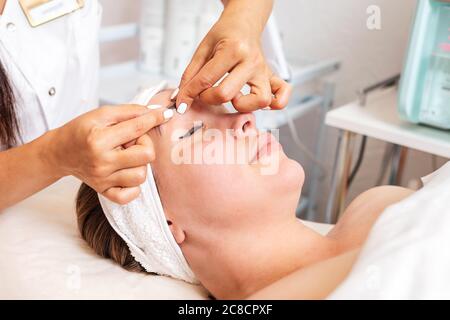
(163, 98)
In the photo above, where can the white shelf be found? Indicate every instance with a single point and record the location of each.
(379, 119)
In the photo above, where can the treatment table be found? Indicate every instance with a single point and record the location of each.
(42, 256)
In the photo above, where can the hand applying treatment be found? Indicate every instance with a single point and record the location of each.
(231, 50)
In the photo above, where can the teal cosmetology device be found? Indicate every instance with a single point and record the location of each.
(425, 85)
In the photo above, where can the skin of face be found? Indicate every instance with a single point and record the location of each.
(219, 213)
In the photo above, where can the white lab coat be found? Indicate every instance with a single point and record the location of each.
(53, 68)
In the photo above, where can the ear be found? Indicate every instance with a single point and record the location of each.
(177, 232)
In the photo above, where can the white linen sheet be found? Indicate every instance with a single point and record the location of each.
(407, 255)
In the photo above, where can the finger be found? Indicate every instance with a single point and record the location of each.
(127, 131)
(129, 144)
(134, 142)
(128, 178)
(281, 91)
(229, 88)
(210, 73)
(145, 141)
(138, 141)
(122, 196)
(140, 154)
(134, 156)
(238, 95)
(198, 60)
(260, 97)
(115, 114)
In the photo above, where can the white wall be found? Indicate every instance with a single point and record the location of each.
(321, 29)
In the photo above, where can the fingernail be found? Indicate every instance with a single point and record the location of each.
(167, 114)
(154, 106)
(182, 108)
(267, 109)
(174, 94)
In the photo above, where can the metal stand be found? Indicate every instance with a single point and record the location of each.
(399, 155)
(329, 89)
(341, 171)
(395, 156)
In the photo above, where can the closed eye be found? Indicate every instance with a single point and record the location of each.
(192, 131)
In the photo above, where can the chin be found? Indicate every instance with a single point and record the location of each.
(297, 172)
(288, 185)
(291, 175)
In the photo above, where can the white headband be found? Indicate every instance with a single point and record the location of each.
(143, 226)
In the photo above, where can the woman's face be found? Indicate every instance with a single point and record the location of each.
(217, 174)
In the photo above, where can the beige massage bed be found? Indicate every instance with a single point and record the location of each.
(43, 257)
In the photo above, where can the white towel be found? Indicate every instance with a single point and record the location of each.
(143, 226)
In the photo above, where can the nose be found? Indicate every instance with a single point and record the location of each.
(244, 124)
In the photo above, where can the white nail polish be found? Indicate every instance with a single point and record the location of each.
(154, 106)
(182, 108)
(168, 114)
(174, 94)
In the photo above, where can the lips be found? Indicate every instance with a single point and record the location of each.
(266, 146)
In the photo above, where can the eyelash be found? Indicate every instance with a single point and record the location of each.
(192, 131)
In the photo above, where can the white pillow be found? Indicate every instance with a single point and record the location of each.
(42, 256)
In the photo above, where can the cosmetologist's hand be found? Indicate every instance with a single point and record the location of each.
(108, 149)
(232, 50)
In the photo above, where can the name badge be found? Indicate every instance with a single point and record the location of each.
(42, 11)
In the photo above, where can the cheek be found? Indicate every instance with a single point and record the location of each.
(208, 186)
(187, 188)
(220, 194)
(211, 194)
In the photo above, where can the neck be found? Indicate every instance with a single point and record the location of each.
(257, 261)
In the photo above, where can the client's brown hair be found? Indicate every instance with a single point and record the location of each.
(98, 233)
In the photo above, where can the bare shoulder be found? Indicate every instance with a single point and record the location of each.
(358, 219)
(376, 199)
(316, 281)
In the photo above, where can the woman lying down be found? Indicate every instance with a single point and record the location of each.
(205, 216)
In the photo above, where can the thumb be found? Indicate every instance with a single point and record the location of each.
(185, 97)
(198, 60)
(210, 73)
